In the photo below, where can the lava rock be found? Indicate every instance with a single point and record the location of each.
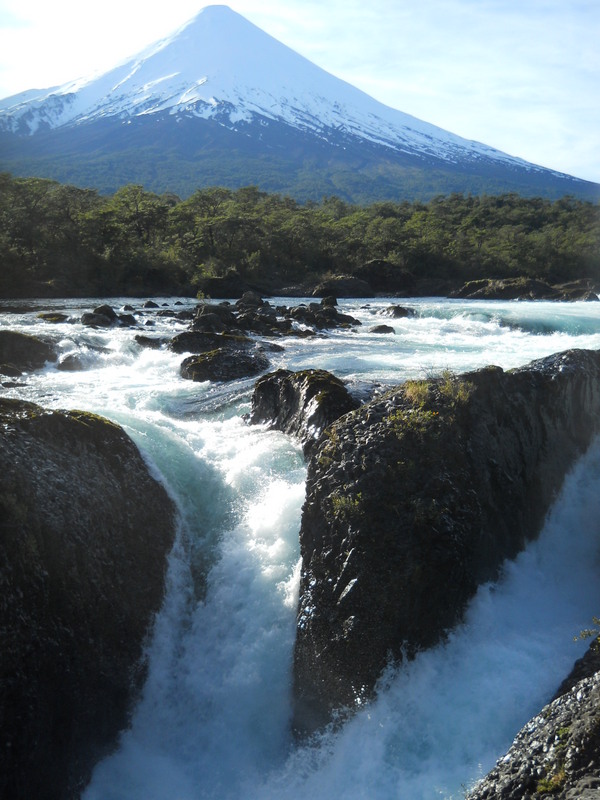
(106, 311)
(344, 286)
(300, 403)
(71, 363)
(398, 312)
(151, 342)
(556, 754)
(25, 352)
(84, 535)
(224, 364)
(93, 320)
(507, 289)
(126, 320)
(416, 499)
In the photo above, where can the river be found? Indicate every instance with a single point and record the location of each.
(213, 721)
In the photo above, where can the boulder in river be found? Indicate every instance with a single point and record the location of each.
(300, 403)
(24, 352)
(224, 364)
(417, 498)
(84, 535)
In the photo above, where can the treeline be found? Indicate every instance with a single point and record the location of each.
(62, 240)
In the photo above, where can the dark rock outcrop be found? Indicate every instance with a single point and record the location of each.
(224, 364)
(23, 352)
(414, 500)
(584, 667)
(71, 363)
(231, 285)
(151, 342)
(524, 289)
(321, 315)
(53, 316)
(398, 312)
(555, 755)
(105, 316)
(93, 320)
(300, 403)
(196, 341)
(84, 535)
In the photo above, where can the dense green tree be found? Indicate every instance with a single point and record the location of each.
(62, 239)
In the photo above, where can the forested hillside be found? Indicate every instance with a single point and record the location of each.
(60, 240)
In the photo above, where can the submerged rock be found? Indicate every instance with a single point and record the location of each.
(54, 317)
(414, 500)
(398, 312)
(300, 403)
(71, 363)
(84, 535)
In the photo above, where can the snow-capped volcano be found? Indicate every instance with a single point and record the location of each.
(220, 68)
(219, 65)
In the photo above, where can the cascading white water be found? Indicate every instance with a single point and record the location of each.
(213, 721)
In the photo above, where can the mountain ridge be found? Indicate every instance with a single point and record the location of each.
(220, 68)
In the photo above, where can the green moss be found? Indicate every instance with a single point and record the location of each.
(552, 784)
(412, 420)
(454, 389)
(417, 392)
(90, 419)
(346, 506)
(12, 409)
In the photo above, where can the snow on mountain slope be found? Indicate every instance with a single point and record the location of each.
(221, 66)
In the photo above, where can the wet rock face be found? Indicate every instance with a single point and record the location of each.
(413, 501)
(224, 364)
(84, 535)
(22, 352)
(300, 403)
(555, 755)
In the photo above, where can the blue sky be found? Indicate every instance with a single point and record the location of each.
(520, 75)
